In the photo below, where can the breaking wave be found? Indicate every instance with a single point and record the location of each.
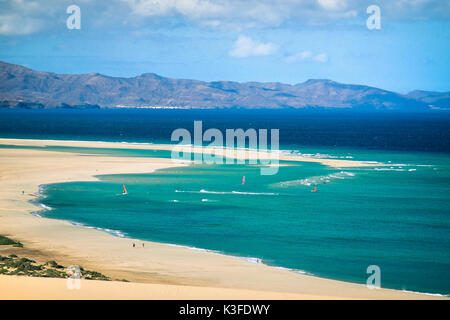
(313, 155)
(112, 232)
(230, 192)
(316, 180)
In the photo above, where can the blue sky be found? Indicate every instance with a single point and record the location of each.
(270, 41)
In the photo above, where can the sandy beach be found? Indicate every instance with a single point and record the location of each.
(232, 153)
(156, 271)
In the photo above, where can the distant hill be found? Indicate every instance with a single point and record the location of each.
(435, 100)
(21, 87)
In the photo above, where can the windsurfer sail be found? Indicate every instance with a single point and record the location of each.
(124, 189)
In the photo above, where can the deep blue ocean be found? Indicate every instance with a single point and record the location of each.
(372, 131)
(395, 215)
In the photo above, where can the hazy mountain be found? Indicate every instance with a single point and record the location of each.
(435, 100)
(21, 87)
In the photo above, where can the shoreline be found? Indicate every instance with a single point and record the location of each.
(165, 264)
(254, 260)
(120, 234)
(237, 153)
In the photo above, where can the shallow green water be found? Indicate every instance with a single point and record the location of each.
(396, 217)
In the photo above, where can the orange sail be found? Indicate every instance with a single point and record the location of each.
(124, 189)
(243, 179)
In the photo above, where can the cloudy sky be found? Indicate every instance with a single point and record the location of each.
(239, 40)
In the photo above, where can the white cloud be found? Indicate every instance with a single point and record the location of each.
(246, 47)
(194, 9)
(321, 57)
(307, 56)
(239, 14)
(236, 15)
(22, 17)
(333, 4)
(15, 25)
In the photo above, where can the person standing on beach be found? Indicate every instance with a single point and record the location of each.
(134, 245)
(143, 244)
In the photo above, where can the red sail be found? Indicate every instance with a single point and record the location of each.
(243, 179)
(124, 189)
(314, 190)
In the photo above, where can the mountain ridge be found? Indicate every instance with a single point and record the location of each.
(21, 87)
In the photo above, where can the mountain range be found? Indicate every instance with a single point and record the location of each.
(21, 87)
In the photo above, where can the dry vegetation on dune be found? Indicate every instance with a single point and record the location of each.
(21, 266)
